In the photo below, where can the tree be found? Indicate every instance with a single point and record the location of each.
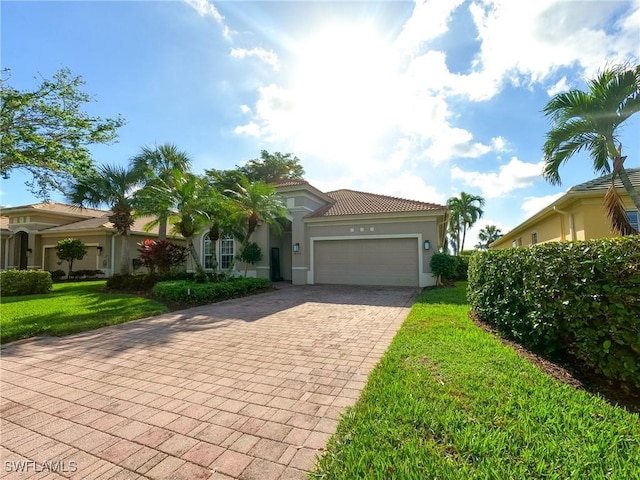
(251, 253)
(592, 121)
(70, 249)
(256, 202)
(464, 212)
(115, 186)
(269, 168)
(487, 236)
(163, 164)
(45, 132)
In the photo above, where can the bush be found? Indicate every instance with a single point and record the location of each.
(189, 293)
(444, 265)
(57, 274)
(575, 298)
(131, 283)
(86, 273)
(162, 255)
(24, 282)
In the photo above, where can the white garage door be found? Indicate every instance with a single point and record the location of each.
(388, 261)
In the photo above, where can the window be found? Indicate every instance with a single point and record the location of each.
(514, 244)
(534, 238)
(206, 249)
(226, 251)
(519, 241)
(634, 219)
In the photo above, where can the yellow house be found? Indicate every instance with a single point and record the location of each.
(578, 215)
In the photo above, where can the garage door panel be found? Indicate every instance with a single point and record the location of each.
(392, 261)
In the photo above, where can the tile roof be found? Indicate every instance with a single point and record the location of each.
(291, 183)
(55, 207)
(102, 223)
(352, 202)
(602, 183)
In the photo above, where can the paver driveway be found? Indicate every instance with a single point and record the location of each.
(249, 388)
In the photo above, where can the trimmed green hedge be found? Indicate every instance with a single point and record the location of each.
(576, 298)
(24, 282)
(190, 293)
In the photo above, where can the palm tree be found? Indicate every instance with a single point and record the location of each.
(592, 121)
(487, 236)
(257, 202)
(464, 212)
(188, 200)
(160, 165)
(115, 186)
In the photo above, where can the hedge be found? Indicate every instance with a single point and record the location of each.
(575, 298)
(24, 282)
(190, 293)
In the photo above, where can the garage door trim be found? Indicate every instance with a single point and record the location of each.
(424, 279)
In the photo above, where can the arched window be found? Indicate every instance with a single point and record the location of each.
(226, 251)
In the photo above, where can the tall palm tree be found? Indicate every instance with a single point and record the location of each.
(113, 185)
(160, 165)
(464, 212)
(188, 199)
(592, 121)
(257, 202)
(487, 236)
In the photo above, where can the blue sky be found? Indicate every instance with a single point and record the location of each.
(418, 100)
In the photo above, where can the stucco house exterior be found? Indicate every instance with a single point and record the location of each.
(578, 215)
(340, 237)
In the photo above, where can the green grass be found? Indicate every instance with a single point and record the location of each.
(449, 401)
(70, 308)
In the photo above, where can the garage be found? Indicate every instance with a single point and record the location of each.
(376, 261)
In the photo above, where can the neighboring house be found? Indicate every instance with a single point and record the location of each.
(341, 237)
(30, 233)
(578, 215)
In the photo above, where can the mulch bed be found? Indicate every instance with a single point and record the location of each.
(572, 372)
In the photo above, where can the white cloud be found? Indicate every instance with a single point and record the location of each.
(245, 109)
(560, 86)
(267, 56)
(251, 129)
(533, 205)
(512, 176)
(207, 9)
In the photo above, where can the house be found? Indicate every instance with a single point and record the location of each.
(340, 237)
(578, 215)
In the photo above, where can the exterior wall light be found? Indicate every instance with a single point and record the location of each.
(427, 244)
(296, 248)
(99, 247)
(29, 252)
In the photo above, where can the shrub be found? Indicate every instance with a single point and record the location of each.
(131, 283)
(57, 274)
(162, 255)
(24, 282)
(87, 273)
(188, 293)
(576, 298)
(443, 265)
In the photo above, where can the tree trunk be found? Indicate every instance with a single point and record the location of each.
(194, 255)
(162, 226)
(124, 255)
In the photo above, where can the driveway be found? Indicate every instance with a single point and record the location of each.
(249, 388)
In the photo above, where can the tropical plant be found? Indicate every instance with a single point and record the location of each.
(45, 132)
(161, 255)
(592, 121)
(251, 253)
(160, 165)
(487, 236)
(464, 212)
(70, 249)
(115, 186)
(257, 202)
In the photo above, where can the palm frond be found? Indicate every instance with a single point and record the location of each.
(616, 212)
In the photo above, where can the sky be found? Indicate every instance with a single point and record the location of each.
(420, 100)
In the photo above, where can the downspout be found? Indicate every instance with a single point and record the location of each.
(113, 255)
(563, 212)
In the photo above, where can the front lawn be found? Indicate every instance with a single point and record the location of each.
(71, 307)
(450, 401)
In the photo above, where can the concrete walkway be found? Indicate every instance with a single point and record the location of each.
(249, 388)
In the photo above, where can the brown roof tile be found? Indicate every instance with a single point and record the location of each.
(55, 207)
(291, 183)
(352, 202)
(102, 223)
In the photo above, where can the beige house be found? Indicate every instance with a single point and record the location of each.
(340, 237)
(578, 215)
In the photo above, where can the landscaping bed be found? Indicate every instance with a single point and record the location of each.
(449, 400)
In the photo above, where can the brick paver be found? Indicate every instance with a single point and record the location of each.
(248, 388)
